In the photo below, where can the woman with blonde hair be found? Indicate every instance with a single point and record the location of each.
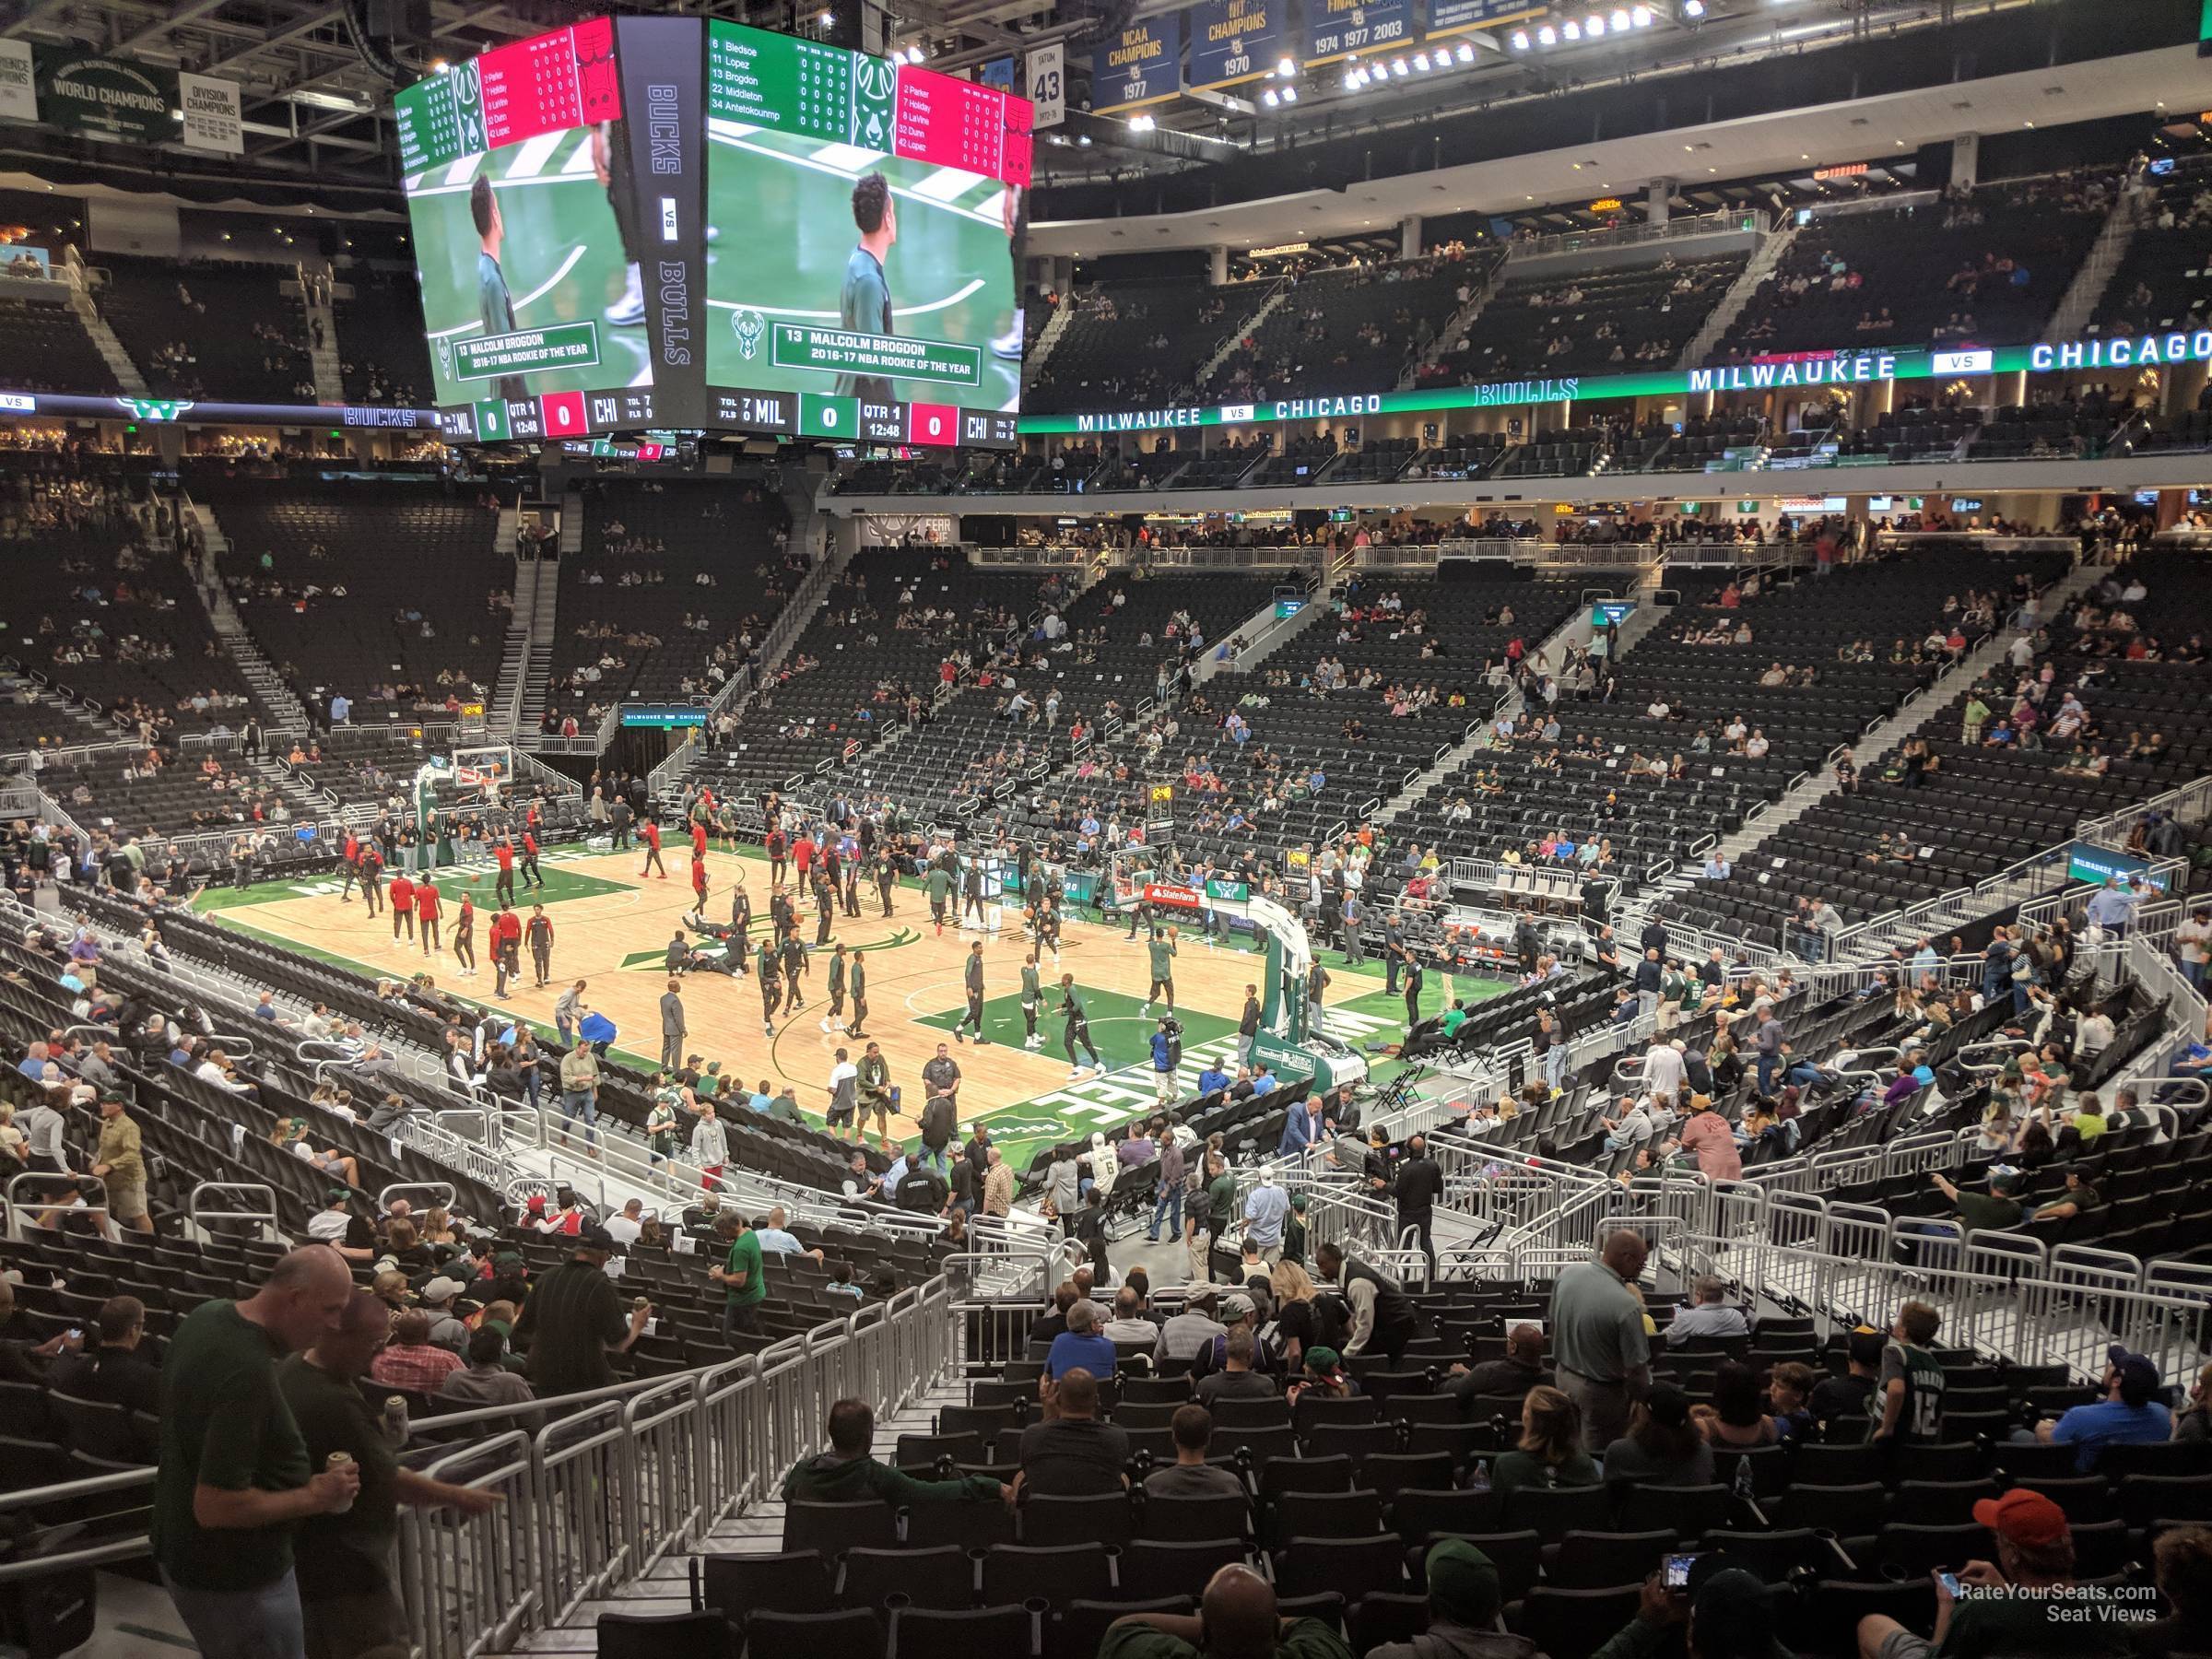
(437, 1226)
(1550, 1450)
(1298, 1312)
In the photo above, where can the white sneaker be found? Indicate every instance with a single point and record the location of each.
(1073, 1073)
(825, 1026)
(628, 311)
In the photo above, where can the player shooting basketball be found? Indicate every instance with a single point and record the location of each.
(864, 305)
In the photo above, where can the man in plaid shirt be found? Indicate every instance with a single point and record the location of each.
(409, 1362)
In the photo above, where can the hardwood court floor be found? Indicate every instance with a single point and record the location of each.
(611, 928)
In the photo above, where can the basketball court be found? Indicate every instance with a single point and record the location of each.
(612, 928)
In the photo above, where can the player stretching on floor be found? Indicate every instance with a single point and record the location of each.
(1078, 1032)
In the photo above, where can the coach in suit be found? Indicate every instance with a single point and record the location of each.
(672, 1025)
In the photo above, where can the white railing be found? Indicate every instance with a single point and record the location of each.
(2187, 802)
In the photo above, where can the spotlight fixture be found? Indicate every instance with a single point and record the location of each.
(1420, 61)
(1290, 95)
(1467, 50)
(1397, 66)
(1547, 36)
(1593, 25)
(1286, 69)
(1269, 99)
(1693, 10)
(1571, 30)
(1619, 21)
(1640, 16)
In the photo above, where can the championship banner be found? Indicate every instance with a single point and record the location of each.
(1458, 16)
(1137, 65)
(213, 118)
(1339, 29)
(105, 98)
(1234, 40)
(18, 82)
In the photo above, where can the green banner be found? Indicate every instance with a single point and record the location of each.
(104, 97)
(889, 356)
(1806, 370)
(561, 346)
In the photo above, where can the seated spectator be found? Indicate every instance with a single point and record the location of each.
(2184, 1557)
(1737, 1415)
(1711, 1316)
(1052, 1326)
(847, 1473)
(1465, 1600)
(1237, 1619)
(484, 1380)
(1190, 1475)
(1789, 1401)
(1072, 1453)
(410, 1360)
(2035, 1553)
(2129, 1414)
(1131, 1326)
(116, 1373)
(1838, 1401)
(1080, 1345)
(1520, 1370)
(1731, 1616)
(1237, 1379)
(1662, 1447)
(1194, 1328)
(1550, 1453)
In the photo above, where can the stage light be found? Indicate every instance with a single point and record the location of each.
(1640, 16)
(1269, 99)
(1547, 36)
(1286, 69)
(1594, 26)
(1693, 9)
(1571, 30)
(1290, 95)
(1618, 21)
(1467, 52)
(1398, 67)
(1420, 61)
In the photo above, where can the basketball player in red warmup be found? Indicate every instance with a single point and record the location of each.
(650, 832)
(531, 874)
(464, 936)
(502, 853)
(425, 913)
(403, 905)
(699, 878)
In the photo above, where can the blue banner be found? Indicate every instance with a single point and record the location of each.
(1137, 65)
(1340, 29)
(1457, 16)
(1234, 40)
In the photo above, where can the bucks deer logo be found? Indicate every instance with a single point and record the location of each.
(750, 327)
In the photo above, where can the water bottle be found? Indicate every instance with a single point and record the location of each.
(395, 1420)
(1743, 1478)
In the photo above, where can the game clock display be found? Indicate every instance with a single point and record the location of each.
(677, 222)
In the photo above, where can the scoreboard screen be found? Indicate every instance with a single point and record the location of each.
(652, 222)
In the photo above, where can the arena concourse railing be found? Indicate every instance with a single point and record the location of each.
(1672, 228)
(599, 1486)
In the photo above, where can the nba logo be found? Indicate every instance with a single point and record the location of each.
(562, 413)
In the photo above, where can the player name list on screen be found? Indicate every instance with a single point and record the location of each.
(546, 84)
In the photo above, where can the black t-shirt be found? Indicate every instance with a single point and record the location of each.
(1072, 1458)
(1843, 1396)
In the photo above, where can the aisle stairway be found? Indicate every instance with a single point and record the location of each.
(286, 712)
(758, 1530)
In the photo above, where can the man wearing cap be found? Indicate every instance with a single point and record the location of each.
(446, 1332)
(575, 1319)
(1707, 1137)
(1464, 1604)
(1992, 1211)
(2012, 1605)
(1194, 1328)
(2129, 1414)
(1237, 1619)
(1598, 1340)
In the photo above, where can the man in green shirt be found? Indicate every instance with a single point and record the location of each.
(1992, 1211)
(1237, 1619)
(495, 308)
(1454, 1016)
(743, 1275)
(1159, 951)
(864, 303)
(235, 1480)
(846, 1472)
(2025, 1602)
(856, 985)
(348, 1576)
